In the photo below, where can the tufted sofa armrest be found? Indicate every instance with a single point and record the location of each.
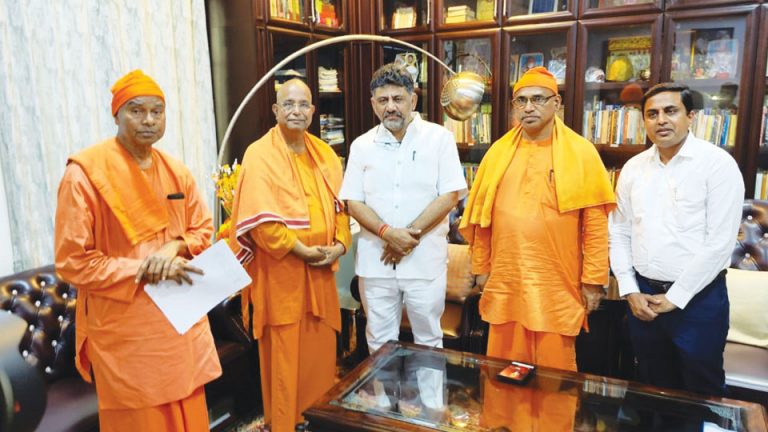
(751, 250)
(47, 305)
(226, 321)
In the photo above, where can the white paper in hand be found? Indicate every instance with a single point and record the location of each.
(186, 304)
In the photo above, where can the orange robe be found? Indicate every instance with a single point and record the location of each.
(539, 241)
(138, 359)
(545, 405)
(295, 306)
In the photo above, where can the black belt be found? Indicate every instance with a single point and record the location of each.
(663, 286)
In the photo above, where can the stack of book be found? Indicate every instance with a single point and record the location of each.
(761, 185)
(717, 126)
(476, 130)
(459, 14)
(332, 129)
(328, 80)
(613, 124)
(470, 171)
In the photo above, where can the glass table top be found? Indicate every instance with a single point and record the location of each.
(453, 391)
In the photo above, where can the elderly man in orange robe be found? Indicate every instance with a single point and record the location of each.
(290, 229)
(537, 223)
(129, 214)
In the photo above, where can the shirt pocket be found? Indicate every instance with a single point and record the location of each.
(423, 174)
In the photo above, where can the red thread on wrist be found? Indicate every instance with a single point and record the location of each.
(382, 229)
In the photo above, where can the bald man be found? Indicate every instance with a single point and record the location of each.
(129, 214)
(537, 223)
(291, 229)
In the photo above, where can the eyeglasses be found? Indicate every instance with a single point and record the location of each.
(538, 100)
(292, 106)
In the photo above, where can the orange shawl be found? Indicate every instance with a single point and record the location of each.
(270, 190)
(118, 178)
(580, 177)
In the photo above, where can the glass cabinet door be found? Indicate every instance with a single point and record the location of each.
(399, 15)
(707, 54)
(330, 105)
(475, 55)
(520, 8)
(328, 14)
(618, 67)
(548, 48)
(466, 13)
(288, 10)
(590, 8)
(417, 64)
(282, 45)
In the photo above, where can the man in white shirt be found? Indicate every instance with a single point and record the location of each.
(403, 177)
(671, 238)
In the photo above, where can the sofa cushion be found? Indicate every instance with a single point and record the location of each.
(748, 294)
(746, 366)
(460, 280)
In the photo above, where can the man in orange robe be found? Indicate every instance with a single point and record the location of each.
(290, 231)
(129, 214)
(537, 223)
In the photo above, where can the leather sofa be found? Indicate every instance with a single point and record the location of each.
(746, 366)
(47, 304)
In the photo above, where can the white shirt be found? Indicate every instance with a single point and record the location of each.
(676, 222)
(398, 181)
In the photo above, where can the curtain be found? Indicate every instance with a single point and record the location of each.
(58, 60)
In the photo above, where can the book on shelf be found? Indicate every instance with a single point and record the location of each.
(613, 124)
(404, 17)
(286, 9)
(470, 171)
(717, 126)
(761, 185)
(764, 124)
(613, 176)
(475, 130)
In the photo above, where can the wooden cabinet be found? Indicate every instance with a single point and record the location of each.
(755, 149)
(612, 51)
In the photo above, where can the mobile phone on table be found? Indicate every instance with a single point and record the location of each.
(517, 373)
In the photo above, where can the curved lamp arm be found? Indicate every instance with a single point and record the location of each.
(306, 49)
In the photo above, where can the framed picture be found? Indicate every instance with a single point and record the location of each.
(699, 60)
(722, 58)
(514, 64)
(529, 61)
